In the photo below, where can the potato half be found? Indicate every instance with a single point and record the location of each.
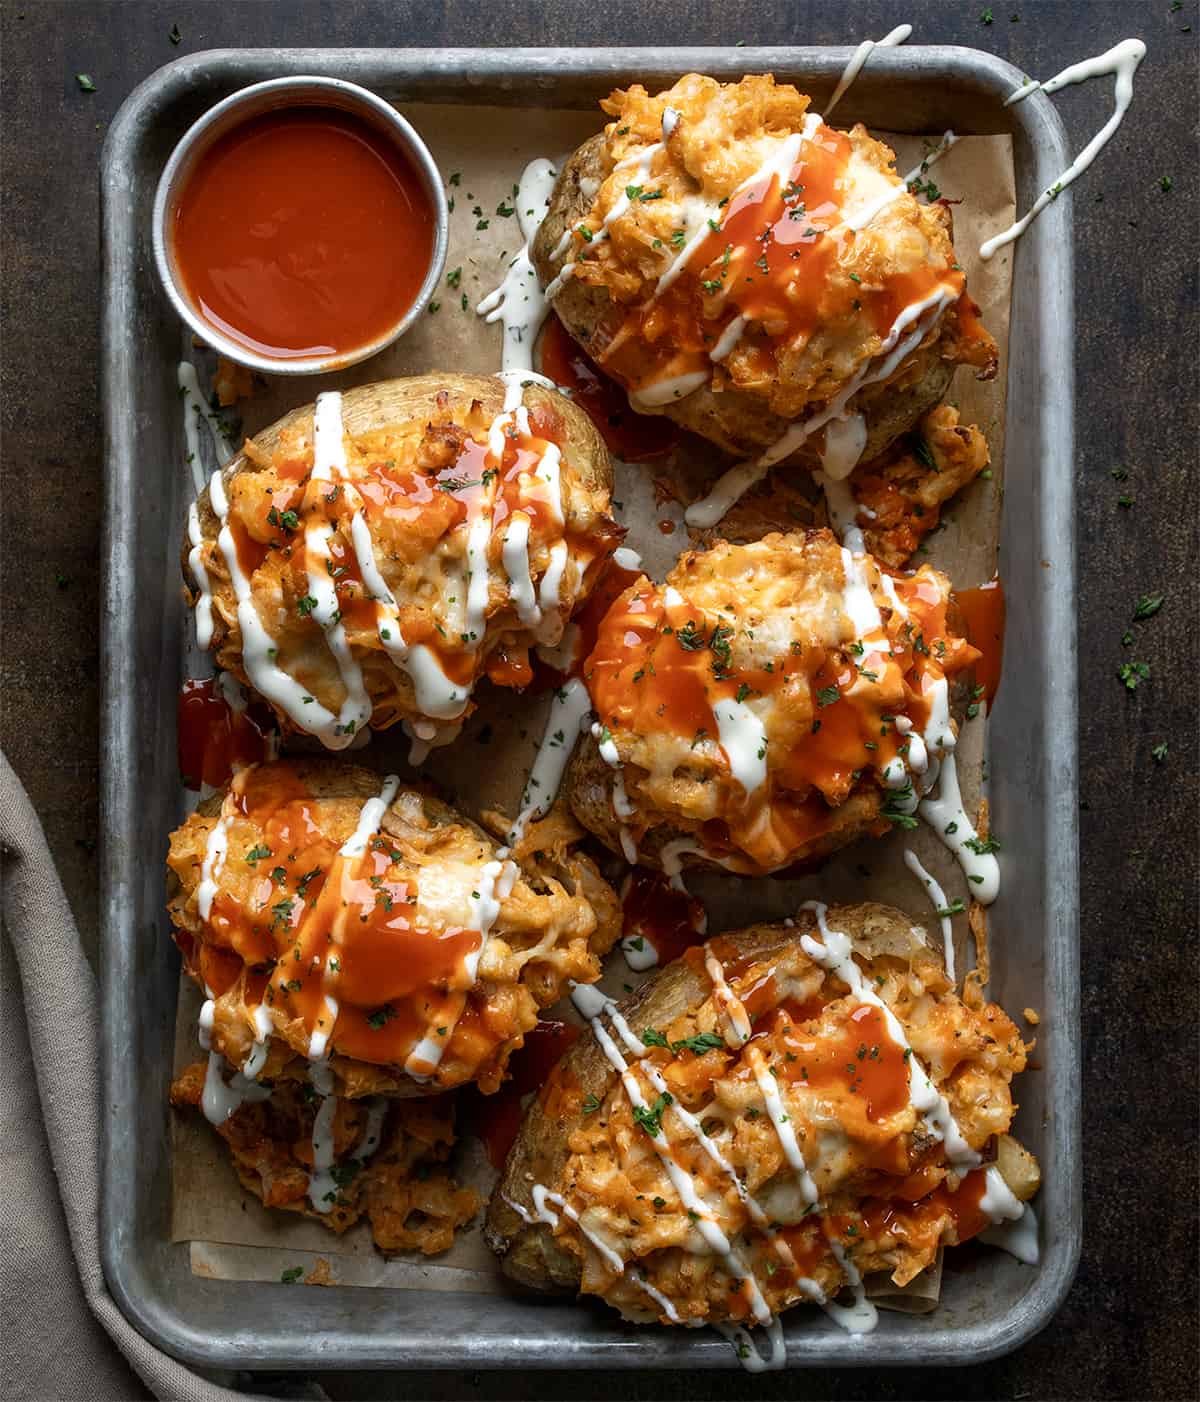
(367, 564)
(769, 1094)
(332, 915)
(710, 248)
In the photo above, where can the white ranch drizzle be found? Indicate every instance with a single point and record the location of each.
(215, 850)
(896, 346)
(834, 952)
(222, 1098)
(1121, 61)
(195, 404)
(435, 694)
(937, 898)
(622, 809)
(263, 1027)
(370, 818)
(569, 711)
(859, 221)
(945, 815)
(860, 56)
(204, 615)
(519, 302)
(258, 647)
(1013, 1231)
(322, 1187)
(329, 464)
(743, 738)
(515, 558)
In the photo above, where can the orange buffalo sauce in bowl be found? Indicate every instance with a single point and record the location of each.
(300, 226)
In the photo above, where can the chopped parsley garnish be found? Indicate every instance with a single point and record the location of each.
(381, 1017)
(954, 908)
(257, 853)
(305, 605)
(699, 1044)
(981, 846)
(1160, 752)
(85, 82)
(590, 1105)
(828, 695)
(291, 1275)
(1147, 606)
(1133, 674)
(653, 1038)
(651, 1119)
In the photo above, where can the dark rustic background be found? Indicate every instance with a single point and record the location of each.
(1128, 1329)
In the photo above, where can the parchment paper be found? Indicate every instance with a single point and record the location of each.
(232, 1236)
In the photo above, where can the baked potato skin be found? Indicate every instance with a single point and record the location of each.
(529, 1252)
(376, 406)
(733, 420)
(588, 787)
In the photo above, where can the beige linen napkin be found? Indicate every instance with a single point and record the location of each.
(63, 1336)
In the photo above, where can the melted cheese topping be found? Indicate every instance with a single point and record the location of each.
(774, 700)
(372, 930)
(773, 1144)
(367, 579)
(747, 244)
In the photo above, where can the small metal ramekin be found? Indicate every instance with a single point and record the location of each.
(272, 96)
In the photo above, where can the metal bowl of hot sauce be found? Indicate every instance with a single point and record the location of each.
(300, 226)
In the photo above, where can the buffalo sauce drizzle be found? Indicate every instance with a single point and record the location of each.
(660, 666)
(630, 436)
(497, 1118)
(215, 738)
(776, 263)
(329, 939)
(664, 916)
(983, 612)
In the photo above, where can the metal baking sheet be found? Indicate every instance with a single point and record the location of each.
(991, 1305)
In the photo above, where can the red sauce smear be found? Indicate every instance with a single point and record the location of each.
(914, 1222)
(669, 920)
(213, 738)
(864, 1061)
(983, 611)
(497, 1118)
(303, 233)
(632, 437)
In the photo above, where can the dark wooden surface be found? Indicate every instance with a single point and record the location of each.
(1128, 1329)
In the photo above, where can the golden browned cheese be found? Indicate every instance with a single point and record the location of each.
(420, 473)
(417, 959)
(398, 1181)
(752, 705)
(900, 496)
(725, 213)
(819, 1067)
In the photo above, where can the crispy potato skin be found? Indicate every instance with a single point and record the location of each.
(378, 406)
(733, 420)
(529, 1252)
(588, 787)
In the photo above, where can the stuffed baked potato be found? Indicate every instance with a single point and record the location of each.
(769, 703)
(337, 919)
(746, 270)
(365, 560)
(778, 1114)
